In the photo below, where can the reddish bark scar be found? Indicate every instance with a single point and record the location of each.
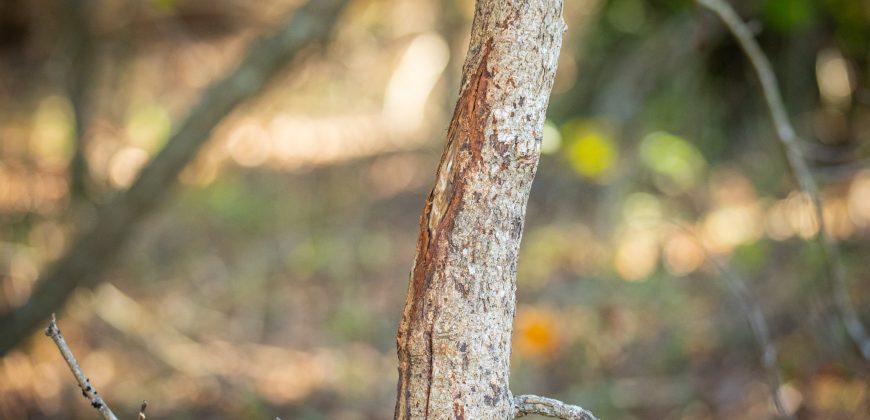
(464, 135)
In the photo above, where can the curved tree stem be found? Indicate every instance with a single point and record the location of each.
(532, 404)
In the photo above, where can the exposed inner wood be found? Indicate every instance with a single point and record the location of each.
(465, 134)
(454, 336)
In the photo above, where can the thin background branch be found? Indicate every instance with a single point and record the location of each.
(786, 134)
(142, 410)
(755, 317)
(760, 330)
(95, 249)
(88, 390)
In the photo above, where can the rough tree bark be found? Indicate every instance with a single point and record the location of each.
(454, 339)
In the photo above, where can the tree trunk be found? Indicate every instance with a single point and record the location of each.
(454, 339)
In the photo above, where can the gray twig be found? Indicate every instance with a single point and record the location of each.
(790, 141)
(542, 406)
(142, 410)
(84, 383)
(759, 329)
(756, 319)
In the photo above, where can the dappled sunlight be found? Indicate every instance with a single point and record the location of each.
(249, 144)
(297, 142)
(727, 227)
(836, 215)
(21, 277)
(682, 254)
(148, 126)
(52, 131)
(412, 81)
(792, 398)
(859, 200)
(552, 141)
(201, 371)
(642, 211)
(832, 73)
(776, 224)
(269, 279)
(125, 166)
(801, 215)
(201, 172)
(23, 191)
(636, 254)
(834, 394)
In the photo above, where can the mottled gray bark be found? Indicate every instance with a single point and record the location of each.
(534, 405)
(454, 339)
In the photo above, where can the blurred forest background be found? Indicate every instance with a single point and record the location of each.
(272, 280)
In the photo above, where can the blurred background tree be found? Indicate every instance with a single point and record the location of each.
(272, 282)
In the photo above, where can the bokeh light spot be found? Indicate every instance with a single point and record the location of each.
(591, 149)
(552, 141)
(674, 158)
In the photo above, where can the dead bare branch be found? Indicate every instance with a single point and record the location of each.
(95, 248)
(755, 317)
(142, 410)
(790, 141)
(84, 383)
(525, 405)
(759, 327)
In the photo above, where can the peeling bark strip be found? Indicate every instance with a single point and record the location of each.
(455, 334)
